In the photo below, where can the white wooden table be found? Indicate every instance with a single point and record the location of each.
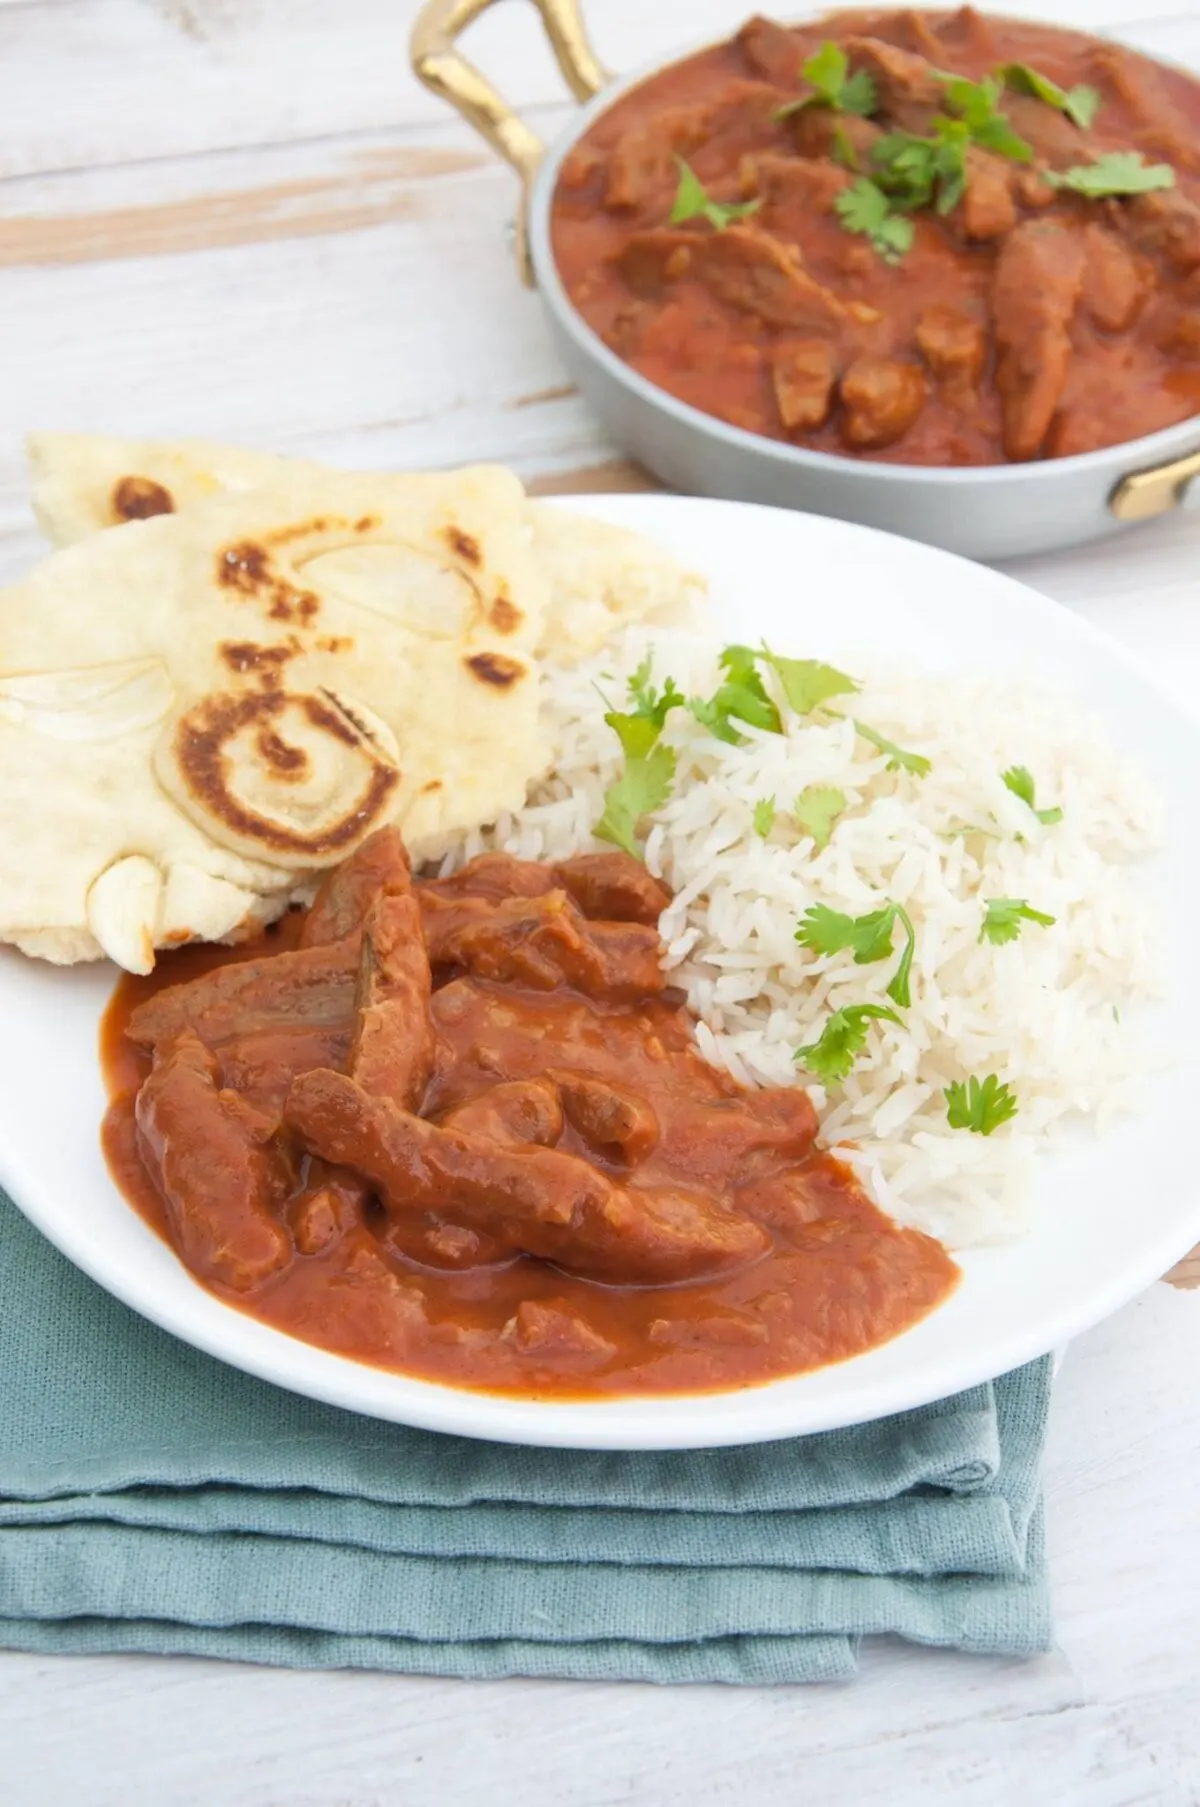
(243, 219)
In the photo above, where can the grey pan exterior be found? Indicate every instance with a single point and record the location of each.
(991, 512)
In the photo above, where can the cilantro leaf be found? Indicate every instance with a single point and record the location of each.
(642, 786)
(842, 150)
(764, 816)
(806, 683)
(649, 767)
(899, 987)
(858, 95)
(636, 733)
(976, 104)
(842, 1040)
(693, 202)
(1019, 780)
(709, 713)
(981, 1106)
(898, 760)
(1004, 916)
(864, 208)
(1080, 105)
(828, 931)
(1115, 173)
(691, 197)
(907, 168)
(816, 809)
(827, 70)
(648, 702)
(742, 697)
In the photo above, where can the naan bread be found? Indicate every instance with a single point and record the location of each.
(200, 713)
(599, 578)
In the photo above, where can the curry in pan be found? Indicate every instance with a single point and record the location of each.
(460, 1128)
(929, 238)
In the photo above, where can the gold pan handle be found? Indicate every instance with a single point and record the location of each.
(1144, 494)
(438, 63)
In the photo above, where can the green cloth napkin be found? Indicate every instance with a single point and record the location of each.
(152, 1499)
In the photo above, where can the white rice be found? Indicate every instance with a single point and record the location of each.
(1047, 1013)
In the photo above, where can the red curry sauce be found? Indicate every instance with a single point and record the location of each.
(1025, 322)
(546, 1094)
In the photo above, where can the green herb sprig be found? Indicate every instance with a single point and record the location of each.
(1116, 173)
(1019, 780)
(1004, 917)
(910, 172)
(980, 1105)
(1080, 105)
(865, 209)
(816, 810)
(741, 697)
(649, 770)
(899, 759)
(828, 72)
(843, 1038)
(693, 202)
(869, 938)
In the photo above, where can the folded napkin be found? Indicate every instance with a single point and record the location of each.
(152, 1499)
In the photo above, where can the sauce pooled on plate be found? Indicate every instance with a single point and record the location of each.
(461, 1129)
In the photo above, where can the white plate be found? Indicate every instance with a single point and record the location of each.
(1109, 1216)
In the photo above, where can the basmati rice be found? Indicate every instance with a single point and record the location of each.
(1047, 1013)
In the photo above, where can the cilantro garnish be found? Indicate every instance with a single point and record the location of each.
(842, 1040)
(741, 697)
(642, 786)
(922, 172)
(828, 71)
(865, 209)
(647, 700)
(649, 768)
(980, 1105)
(869, 937)
(975, 104)
(1080, 105)
(828, 931)
(842, 150)
(909, 172)
(692, 202)
(898, 759)
(1004, 916)
(807, 683)
(1116, 173)
(764, 816)
(816, 809)
(1019, 780)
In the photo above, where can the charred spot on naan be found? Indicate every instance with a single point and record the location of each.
(265, 663)
(247, 568)
(496, 669)
(139, 499)
(463, 545)
(284, 761)
(504, 614)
